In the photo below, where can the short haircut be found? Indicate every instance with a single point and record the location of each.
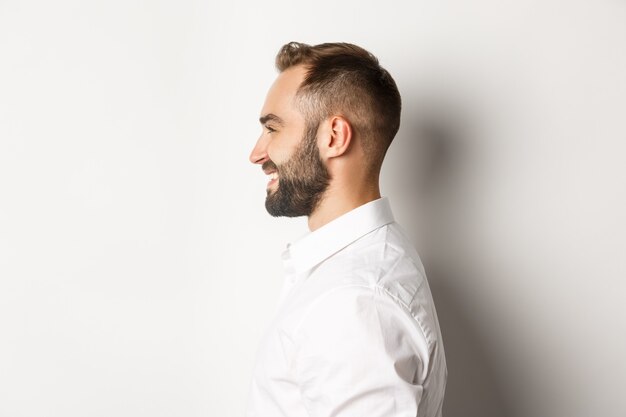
(345, 79)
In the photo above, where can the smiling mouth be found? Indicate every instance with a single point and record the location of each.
(271, 170)
(273, 179)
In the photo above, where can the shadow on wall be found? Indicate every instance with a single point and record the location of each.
(439, 151)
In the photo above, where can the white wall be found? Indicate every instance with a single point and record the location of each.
(137, 264)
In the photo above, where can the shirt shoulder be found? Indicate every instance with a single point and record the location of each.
(381, 271)
(383, 258)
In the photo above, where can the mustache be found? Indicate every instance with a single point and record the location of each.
(269, 164)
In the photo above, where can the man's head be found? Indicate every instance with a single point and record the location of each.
(345, 79)
(322, 89)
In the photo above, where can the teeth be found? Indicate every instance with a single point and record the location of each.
(273, 176)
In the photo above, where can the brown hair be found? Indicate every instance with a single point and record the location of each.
(346, 79)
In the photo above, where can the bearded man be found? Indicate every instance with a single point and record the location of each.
(356, 333)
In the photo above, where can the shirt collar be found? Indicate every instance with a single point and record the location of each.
(329, 239)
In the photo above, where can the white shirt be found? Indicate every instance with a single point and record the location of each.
(356, 333)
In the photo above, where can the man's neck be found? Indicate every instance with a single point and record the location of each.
(338, 201)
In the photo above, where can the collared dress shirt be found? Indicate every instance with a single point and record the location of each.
(356, 333)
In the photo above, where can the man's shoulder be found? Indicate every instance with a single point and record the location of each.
(382, 260)
(380, 272)
(383, 255)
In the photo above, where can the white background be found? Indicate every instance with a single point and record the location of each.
(138, 266)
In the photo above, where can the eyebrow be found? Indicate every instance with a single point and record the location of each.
(270, 117)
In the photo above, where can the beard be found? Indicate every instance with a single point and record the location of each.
(302, 180)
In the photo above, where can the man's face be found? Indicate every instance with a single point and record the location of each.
(288, 152)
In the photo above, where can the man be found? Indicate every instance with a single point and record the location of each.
(356, 334)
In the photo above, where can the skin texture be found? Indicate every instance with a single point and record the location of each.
(349, 183)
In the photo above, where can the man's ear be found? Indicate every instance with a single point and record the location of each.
(337, 138)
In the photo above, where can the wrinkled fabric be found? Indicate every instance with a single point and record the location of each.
(356, 333)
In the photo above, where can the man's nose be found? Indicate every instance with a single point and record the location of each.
(259, 152)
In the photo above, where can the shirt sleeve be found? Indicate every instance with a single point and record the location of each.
(357, 354)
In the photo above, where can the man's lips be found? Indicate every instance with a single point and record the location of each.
(271, 171)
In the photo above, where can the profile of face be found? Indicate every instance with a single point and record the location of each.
(288, 153)
(302, 180)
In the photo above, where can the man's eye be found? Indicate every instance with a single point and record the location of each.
(269, 129)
